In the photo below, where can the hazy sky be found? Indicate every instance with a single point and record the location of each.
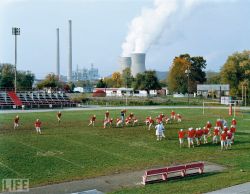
(213, 29)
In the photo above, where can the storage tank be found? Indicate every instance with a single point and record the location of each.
(138, 63)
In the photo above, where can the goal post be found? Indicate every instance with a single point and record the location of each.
(207, 102)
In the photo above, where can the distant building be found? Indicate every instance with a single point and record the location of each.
(84, 74)
(213, 90)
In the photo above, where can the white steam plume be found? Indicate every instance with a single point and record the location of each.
(145, 29)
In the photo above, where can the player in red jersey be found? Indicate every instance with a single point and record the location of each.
(191, 134)
(223, 138)
(172, 115)
(181, 135)
(233, 130)
(205, 134)
(198, 135)
(92, 121)
(216, 134)
(218, 124)
(151, 122)
(108, 121)
(118, 122)
(167, 120)
(59, 115)
(178, 116)
(208, 125)
(135, 121)
(234, 122)
(131, 115)
(38, 124)
(128, 121)
(225, 128)
(229, 140)
(106, 115)
(147, 121)
(16, 122)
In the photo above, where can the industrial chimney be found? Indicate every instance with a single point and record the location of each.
(70, 52)
(138, 63)
(58, 55)
(125, 62)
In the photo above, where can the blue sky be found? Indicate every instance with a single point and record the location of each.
(213, 29)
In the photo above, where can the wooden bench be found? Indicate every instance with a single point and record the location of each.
(161, 174)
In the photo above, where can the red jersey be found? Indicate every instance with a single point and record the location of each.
(38, 124)
(117, 120)
(225, 129)
(216, 131)
(199, 133)
(16, 120)
(232, 129)
(229, 135)
(234, 122)
(218, 123)
(151, 121)
(172, 113)
(110, 120)
(161, 116)
(223, 137)
(181, 134)
(206, 131)
(208, 125)
(93, 118)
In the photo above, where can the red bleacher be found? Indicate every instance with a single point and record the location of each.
(34, 99)
(161, 174)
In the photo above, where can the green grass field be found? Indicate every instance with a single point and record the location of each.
(72, 150)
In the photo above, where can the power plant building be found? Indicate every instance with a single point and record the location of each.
(85, 74)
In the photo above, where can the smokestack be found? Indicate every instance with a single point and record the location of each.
(58, 55)
(138, 63)
(125, 62)
(70, 52)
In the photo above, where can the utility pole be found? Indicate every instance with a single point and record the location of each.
(15, 32)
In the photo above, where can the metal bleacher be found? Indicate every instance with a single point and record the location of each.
(36, 99)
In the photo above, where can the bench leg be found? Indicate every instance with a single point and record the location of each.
(164, 177)
(183, 173)
(144, 179)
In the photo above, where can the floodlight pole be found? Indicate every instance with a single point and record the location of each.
(15, 32)
(188, 72)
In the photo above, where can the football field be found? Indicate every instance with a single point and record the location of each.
(71, 150)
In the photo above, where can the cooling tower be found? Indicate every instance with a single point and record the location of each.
(138, 63)
(125, 62)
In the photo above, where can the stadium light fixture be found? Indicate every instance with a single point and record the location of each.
(15, 32)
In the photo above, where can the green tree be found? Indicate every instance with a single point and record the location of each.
(177, 79)
(50, 81)
(25, 79)
(127, 78)
(236, 71)
(116, 77)
(101, 84)
(146, 81)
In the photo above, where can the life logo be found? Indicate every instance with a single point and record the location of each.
(15, 185)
